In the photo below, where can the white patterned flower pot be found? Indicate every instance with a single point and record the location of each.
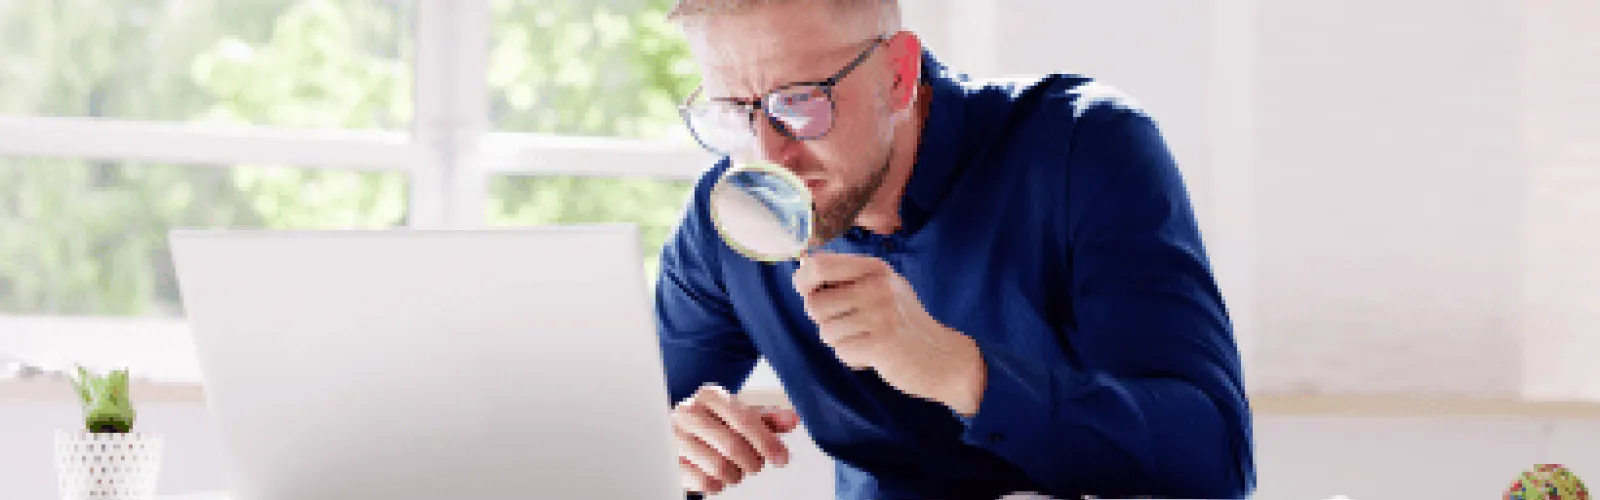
(107, 466)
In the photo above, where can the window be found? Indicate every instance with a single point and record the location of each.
(120, 120)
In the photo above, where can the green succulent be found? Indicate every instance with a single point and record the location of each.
(106, 406)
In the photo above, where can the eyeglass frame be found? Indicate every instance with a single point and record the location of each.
(826, 85)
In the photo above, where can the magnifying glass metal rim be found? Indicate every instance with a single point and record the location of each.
(770, 168)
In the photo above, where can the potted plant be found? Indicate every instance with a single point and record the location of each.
(107, 459)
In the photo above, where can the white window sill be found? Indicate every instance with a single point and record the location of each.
(154, 349)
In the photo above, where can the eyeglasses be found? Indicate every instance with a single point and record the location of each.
(802, 111)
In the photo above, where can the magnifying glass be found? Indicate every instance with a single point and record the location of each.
(763, 211)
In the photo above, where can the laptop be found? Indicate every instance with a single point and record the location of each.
(430, 365)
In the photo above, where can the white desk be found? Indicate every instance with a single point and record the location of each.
(223, 496)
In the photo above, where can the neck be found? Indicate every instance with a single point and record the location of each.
(882, 213)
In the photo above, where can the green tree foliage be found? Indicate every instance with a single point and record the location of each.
(608, 68)
(88, 237)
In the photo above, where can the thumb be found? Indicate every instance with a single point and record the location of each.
(780, 420)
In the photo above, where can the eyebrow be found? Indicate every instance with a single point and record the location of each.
(815, 57)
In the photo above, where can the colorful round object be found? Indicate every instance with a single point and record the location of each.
(1547, 482)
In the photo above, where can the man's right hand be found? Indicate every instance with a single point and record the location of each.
(722, 441)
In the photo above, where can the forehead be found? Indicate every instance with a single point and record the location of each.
(750, 53)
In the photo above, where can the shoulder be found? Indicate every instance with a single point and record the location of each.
(695, 235)
(1112, 162)
(1103, 120)
(1050, 115)
(700, 199)
(1073, 137)
(1060, 124)
(1112, 141)
(1060, 101)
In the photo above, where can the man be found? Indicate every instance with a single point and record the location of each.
(1012, 295)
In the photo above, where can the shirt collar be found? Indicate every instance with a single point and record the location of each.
(938, 152)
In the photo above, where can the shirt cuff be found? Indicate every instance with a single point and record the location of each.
(1018, 404)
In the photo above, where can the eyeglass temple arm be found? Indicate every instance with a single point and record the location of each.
(834, 80)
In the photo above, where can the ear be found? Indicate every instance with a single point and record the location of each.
(907, 61)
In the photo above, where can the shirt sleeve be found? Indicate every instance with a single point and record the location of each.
(702, 341)
(1156, 404)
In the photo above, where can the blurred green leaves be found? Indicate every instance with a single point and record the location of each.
(587, 67)
(315, 71)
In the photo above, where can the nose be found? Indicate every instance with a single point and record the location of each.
(773, 145)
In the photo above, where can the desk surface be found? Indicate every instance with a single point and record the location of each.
(214, 495)
(224, 496)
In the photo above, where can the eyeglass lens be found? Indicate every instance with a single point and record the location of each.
(805, 112)
(802, 112)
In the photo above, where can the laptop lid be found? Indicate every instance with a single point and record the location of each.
(414, 364)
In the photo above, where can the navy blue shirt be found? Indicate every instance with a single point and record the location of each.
(1046, 219)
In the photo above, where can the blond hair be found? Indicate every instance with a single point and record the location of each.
(888, 11)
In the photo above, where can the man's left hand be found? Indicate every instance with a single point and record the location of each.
(872, 319)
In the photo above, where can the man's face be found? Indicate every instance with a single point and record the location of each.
(746, 56)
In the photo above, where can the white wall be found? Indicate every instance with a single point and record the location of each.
(1561, 113)
(1391, 184)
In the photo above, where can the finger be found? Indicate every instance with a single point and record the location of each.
(705, 457)
(818, 270)
(856, 351)
(856, 338)
(871, 317)
(844, 333)
(695, 480)
(780, 420)
(704, 423)
(830, 304)
(746, 421)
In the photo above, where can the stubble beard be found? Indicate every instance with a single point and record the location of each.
(836, 218)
